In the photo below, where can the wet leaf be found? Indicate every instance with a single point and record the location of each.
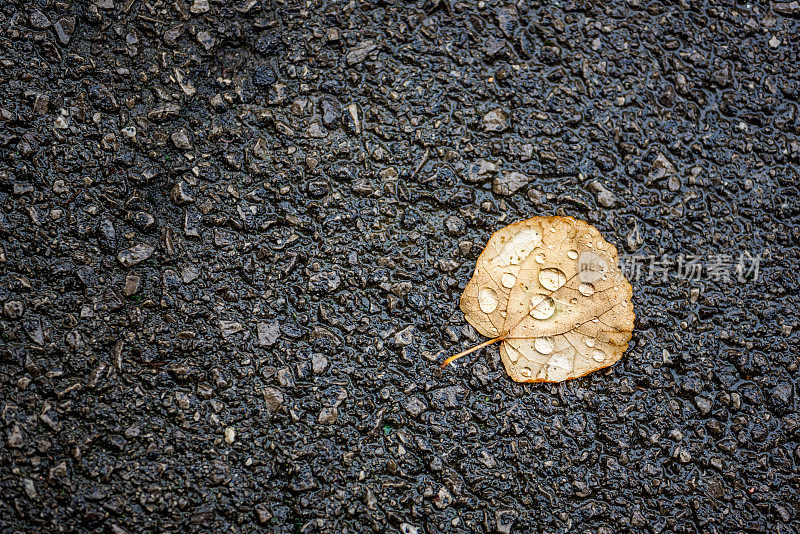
(551, 291)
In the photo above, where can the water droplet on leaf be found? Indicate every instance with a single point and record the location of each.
(552, 278)
(487, 300)
(543, 345)
(542, 307)
(508, 280)
(586, 289)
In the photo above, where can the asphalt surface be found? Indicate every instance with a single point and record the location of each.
(233, 237)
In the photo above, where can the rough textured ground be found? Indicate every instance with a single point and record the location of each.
(233, 236)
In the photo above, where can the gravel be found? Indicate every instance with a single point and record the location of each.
(508, 183)
(234, 235)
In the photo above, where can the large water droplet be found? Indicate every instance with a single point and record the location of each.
(543, 345)
(508, 280)
(552, 278)
(542, 307)
(487, 300)
(590, 342)
(598, 355)
(586, 289)
(572, 254)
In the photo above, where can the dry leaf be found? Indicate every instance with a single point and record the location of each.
(550, 289)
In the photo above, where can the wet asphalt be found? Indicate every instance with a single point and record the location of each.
(234, 234)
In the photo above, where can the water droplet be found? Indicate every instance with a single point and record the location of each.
(595, 319)
(518, 248)
(590, 342)
(573, 300)
(508, 280)
(586, 289)
(572, 254)
(487, 300)
(525, 372)
(513, 354)
(558, 367)
(539, 257)
(560, 360)
(543, 345)
(552, 278)
(542, 307)
(598, 355)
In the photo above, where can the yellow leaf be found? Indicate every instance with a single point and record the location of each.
(550, 289)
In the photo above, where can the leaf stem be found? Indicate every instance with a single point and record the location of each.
(453, 358)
